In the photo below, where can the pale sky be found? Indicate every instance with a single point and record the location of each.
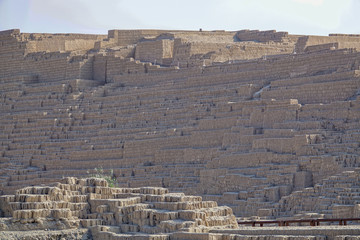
(311, 17)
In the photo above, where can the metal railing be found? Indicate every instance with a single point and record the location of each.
(312, 222)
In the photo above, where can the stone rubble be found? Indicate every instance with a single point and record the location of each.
(264, 122)
(90, 203)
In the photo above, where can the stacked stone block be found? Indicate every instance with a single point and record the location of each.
(243, 133)
(90, 203)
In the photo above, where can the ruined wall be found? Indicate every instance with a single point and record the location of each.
(158, 51)
(105, 68)
(197, 53)
(48, 67)
(339, 41)
(28, 57)
(261, 36)
(93, 202)
(205, 36)
(245, 133)
(128, 37)
(11, 52)
(37, 42)
(52, 45)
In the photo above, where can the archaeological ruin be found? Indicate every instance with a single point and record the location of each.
(198, 129)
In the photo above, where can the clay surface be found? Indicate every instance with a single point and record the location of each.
(263, 122)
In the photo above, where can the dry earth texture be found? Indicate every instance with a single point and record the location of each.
(263, 123)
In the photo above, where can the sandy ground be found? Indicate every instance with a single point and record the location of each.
(330, 231)
(326, 232)
(71, 234)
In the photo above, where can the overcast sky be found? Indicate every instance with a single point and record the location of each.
(315, 17)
